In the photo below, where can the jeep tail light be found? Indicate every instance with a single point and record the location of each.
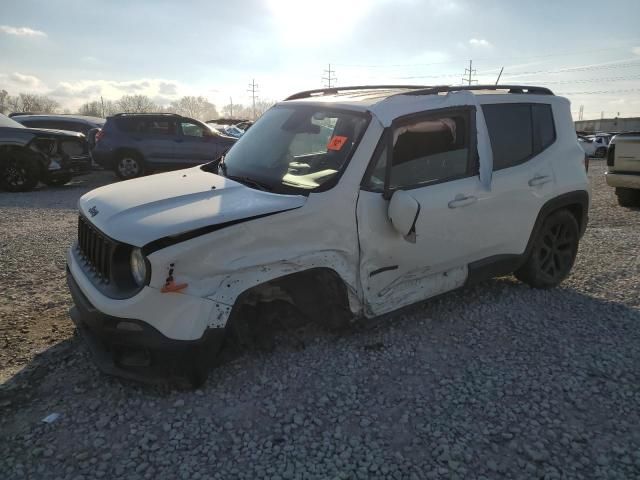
(611, 154)
(98, 136)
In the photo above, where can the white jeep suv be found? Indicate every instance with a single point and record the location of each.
(344, 202)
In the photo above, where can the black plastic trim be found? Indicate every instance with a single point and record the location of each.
(383, 269)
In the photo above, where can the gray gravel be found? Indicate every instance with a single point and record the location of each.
(494, 381)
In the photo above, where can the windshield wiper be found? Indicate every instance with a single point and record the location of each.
(250, 182)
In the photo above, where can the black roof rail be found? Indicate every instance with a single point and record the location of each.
(518, 89)
(335, 90)
(164, 114)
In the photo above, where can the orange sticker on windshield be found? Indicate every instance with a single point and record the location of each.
(336, 143)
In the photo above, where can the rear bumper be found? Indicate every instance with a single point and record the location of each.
(133, 349)
(623, 180)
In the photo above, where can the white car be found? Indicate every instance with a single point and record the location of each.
(344, 203)
(623, 168)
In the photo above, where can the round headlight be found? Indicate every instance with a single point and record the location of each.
(138, 267)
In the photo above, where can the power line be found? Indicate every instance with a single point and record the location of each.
(449, 62)
(253, 89)
(328, 78)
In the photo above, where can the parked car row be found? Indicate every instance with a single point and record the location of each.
(135, 144)
(32, 155)
(129, 144)
(595, 145)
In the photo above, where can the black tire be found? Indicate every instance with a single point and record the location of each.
(19, 172)
(553, 253)
(57, 181)
(628, 197)
(601, 152)
(129, 165)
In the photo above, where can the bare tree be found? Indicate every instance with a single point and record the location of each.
(194, 107)
(28, 102)
(4, 101)
(136, 104)
(101, 108)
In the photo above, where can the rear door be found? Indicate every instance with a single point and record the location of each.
(197, 144)
(154, 137)
(523, 143)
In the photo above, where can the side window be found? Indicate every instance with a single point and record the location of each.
(510, 132)
(426, 151)
(142, 125)
(190, 129)
(544, 129)
(430, 151)
(518, 131)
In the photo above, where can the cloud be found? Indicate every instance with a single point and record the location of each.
(17, 80)
(479, 42)
(167, 88)
(21, 31)
(636, 50)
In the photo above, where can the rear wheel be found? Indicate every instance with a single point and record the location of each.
(628, 197)
(601, 152)
(553, 253)
(129, 165)
(19, 172)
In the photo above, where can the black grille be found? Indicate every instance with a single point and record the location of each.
(96, 249)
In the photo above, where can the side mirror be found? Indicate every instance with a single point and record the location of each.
(403, 213)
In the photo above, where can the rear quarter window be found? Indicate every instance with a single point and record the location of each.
(518, 131)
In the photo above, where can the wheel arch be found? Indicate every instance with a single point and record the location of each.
(320, 294)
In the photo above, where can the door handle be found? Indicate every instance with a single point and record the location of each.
(539, 180)
(462, 201)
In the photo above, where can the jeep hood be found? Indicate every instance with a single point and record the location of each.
(145, 209)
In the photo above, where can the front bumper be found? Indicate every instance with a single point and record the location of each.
(623, 180)
(133, 349)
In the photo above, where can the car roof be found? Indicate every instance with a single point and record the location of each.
(391, 101)
(71, 118)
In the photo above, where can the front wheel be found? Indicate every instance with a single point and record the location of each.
(128, 166)
(554, 252)
(19, 172)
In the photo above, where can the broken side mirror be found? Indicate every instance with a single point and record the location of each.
(403, 213)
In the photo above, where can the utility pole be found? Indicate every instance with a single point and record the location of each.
(601, 115)
(102, 104)
(581, 112)
(499, 75)
(253, 89)
(468, 73)
(329, 78)
(231, 107)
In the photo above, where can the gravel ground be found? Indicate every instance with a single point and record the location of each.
(494, 381)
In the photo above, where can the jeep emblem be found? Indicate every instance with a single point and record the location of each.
(93, 211)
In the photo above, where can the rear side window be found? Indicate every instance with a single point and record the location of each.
(155, 126)
(518, 131)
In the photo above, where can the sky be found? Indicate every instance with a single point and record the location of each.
(78, 50)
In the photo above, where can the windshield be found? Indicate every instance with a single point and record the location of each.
(295, 147)
(7, 122)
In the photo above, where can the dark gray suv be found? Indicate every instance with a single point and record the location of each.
(133, 144)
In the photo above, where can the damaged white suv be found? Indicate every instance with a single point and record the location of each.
(343, 203)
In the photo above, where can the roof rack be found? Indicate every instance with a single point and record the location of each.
(519, 89)
(335, 90)
(163, 114)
